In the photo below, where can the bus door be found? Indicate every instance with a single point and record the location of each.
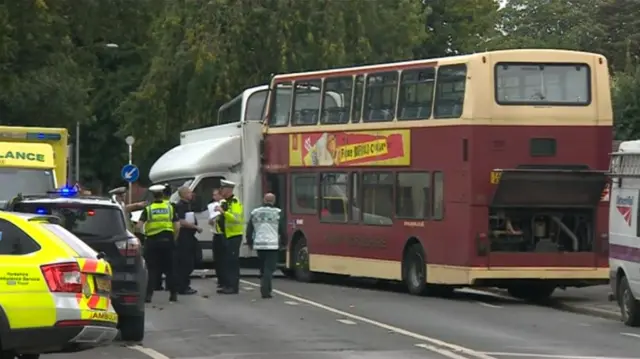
(546, 217)
(276, 183)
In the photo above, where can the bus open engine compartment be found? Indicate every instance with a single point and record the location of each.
(542, 230)
(545, 210)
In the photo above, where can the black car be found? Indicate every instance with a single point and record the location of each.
(101, 223)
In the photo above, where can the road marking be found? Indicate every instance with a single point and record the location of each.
(488, 305)
(450, 346)
(290, 302)
(550, 356)
(221, 335)
(149, 352)
(347, 321)
(444, 353)
(248, 289)
(631, 335)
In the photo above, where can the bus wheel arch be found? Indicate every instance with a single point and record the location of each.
(629, 305)
(299, 258)
(414, 267)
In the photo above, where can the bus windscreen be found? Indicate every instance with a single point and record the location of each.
(543, 84)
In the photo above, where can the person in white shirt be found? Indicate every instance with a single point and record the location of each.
(219, 243)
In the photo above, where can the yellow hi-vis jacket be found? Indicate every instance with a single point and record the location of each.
(159, 218)
(234, 218)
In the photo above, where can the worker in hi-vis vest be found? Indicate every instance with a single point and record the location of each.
(231, 221)
(161, 227)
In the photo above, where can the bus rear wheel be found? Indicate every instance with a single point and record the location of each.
(302, 269)
(532, 292)
(414, 270)
(629, 305)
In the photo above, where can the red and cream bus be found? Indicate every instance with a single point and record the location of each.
(477, 170)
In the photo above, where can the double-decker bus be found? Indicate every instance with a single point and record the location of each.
(477, 170)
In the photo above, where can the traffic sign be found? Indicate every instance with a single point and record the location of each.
(130, 173)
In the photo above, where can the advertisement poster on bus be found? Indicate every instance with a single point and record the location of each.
(363, 148)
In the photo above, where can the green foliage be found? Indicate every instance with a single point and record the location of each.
(177, 61)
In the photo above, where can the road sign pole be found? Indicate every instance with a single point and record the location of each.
(130, 141)
(130, 162)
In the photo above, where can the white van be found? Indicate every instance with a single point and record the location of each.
(624, 231)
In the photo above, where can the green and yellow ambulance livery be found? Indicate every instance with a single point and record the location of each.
(32, 160)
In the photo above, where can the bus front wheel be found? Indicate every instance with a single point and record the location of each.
(302, 269)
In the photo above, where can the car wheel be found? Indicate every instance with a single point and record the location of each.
(629, 306)
(132, 328)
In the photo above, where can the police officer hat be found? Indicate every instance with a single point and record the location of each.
(157, 188)
(227, 184)
(119, 190)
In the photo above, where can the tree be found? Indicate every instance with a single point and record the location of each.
(42, 84)
(457, 27)
(206, 53)
(553, 24)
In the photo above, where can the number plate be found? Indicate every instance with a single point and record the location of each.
(103, 285)
(495, 177)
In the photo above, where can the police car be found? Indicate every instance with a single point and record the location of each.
(101, 223)
(54, 290)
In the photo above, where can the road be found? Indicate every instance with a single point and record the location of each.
(329, 321)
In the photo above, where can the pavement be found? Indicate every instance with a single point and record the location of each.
(357, 320)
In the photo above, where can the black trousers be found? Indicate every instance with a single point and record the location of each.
(185, 260)
(159, 253)
(268, 261)
(219, 252)
(232, 263)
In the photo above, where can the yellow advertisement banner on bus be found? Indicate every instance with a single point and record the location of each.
(26, 155)
(362, 148)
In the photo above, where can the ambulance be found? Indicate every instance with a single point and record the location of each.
(624, 231)
(32, 160)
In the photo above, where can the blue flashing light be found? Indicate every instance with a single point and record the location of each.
(41, 211)
(44, 136)
(68, 191)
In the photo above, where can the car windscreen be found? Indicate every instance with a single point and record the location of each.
(25, 181)
(85, 221)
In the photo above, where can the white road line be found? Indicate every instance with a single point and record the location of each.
(488, 305)
(290, 302)
(550, 356)
(444, 353)
(631, 335)
(347, 321)
(149, 352)
(452, 348)
(248, 289)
